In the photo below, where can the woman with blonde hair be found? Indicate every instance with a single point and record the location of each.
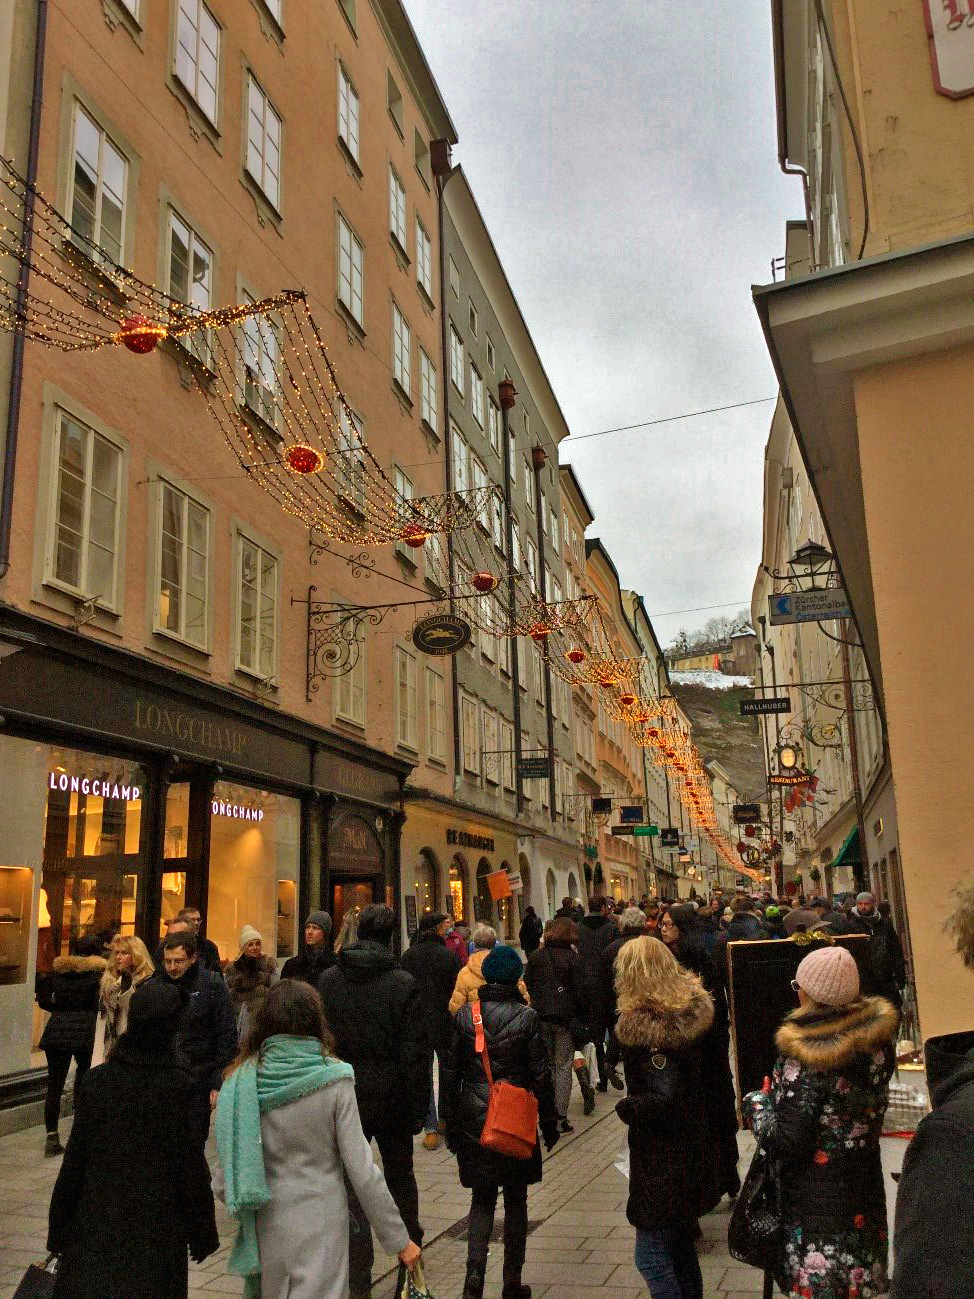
(664, 1015)
(129, 964)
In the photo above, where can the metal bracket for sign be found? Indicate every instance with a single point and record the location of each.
(362, 563)
(823, 735)
(335, 636)
(832, 693)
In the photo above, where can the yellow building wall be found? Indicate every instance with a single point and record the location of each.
(916, 445)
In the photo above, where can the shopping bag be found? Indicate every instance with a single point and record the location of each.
(38, 1281)
(414, 1284)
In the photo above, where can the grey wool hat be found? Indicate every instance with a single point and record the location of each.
(320, 918)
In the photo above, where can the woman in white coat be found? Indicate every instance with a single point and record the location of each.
(129, 964)
(287, 1135)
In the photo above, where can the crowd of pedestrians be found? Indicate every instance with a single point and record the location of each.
(304, 1069)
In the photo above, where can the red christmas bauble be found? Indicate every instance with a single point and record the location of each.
(415, 535)
(750, 831)
(539, 631)
(575, 655)
(303, 459)
(608, 682)
(141, 335)
(627, 700)
(484, 582)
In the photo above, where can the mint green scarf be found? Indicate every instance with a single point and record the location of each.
(289, 1068)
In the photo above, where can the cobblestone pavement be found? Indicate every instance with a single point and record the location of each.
(580, 1245)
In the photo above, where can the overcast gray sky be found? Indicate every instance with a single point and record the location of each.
(623, 154)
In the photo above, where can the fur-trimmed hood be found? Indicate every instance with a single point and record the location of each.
(79, 965)
(646, 1025)
(829, 1038)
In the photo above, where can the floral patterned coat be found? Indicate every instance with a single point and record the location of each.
(822, 1122)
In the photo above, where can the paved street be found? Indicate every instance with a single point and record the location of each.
(580, 1245)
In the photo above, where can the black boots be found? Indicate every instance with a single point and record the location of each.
(588, 1091)
(514, 1290)
(615, 1079)
(473, 1286)
(52, 1146)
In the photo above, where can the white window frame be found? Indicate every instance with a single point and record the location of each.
(553, 533)
(179, 633)
(424, 259)
(492, 758)
(349, 118)
(506, 745)
(350, 689)
(480, 479)
(261, 355)
(456, 359)
(435, 715)
(476, 395)
(350, 471)
(470, 735)
(454, 274)
(254, 669)
(427, 390)
(267, 181)
(407, 706)
(105, 140)
(473, 316)
(461, 461)
(494, 425)
(109, 600)
(199, 343)
(351, 271)
(531, 562)
(191, 27)
(491, 357)
(401, 350)
(397, 208)
(497, 521)
(529, 492)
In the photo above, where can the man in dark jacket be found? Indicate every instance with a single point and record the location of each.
(887, 968)
(435, 968)
(933, 1247)
(373, 1009)
(189, 919)
(316, 955)
(530, 932)
(744, 927)
(206, 1035)
(595, 932)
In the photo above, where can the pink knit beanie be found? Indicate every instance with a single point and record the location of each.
(829, 976)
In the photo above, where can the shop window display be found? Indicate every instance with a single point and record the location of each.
(253, 869)
(458, 889)
(425, 884)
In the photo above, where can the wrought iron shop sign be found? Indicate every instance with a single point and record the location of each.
(441, 633)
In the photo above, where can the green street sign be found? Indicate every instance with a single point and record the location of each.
(645, 831)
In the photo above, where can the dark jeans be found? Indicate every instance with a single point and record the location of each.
(396, 1149)
(58, 1064)
(668, 1263)
(481, 1224)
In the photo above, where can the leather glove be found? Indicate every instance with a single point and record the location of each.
(452, 1142)
(550, 1136)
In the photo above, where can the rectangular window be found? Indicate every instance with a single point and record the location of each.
(274, 9)
(401, 344)
(553, 533)
(350, 470)
(257, 595)
(198, 54)
(531, 554)
(190, 265)
(470, 735)
(507, 754)
(544, 514)
(503, 642)
(348, 113)
(424, 260)
(512, 456)
(84, 552)
(263, 142)
(397, 209)
(261, 353)
(97, 200)
(523, 663)
(491, 359)
(421, 156)
(494, 425)
(350, 688)
(351, 269)
(183, 557)
(529, 485)
(480, 482)
(427, 390)
(456, 360)
(476, 395)
(394, 101)
(474, 316)
(435, 715)
(404, 488)
(497, 530)
(492, 757)
(461, 468)
(348, 9)
(454, 279)
(407, 720)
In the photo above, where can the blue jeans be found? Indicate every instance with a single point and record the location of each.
(667, 1262)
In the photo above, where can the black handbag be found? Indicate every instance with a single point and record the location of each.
(755, 1234)
(38, 1281)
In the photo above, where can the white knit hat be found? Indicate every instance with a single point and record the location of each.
(829, 976)
(248, 935)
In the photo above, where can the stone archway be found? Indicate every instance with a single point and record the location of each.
(484, 909)
(573, 886)
(551, 893)
(426, 883)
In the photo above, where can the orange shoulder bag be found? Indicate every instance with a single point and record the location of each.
(511, 1127)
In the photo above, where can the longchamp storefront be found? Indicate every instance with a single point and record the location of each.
(131, 790)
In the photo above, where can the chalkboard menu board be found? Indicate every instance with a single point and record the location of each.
(761, 996)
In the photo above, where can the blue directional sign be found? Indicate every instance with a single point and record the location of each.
(820, 605)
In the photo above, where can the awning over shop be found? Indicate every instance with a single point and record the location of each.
(849, 854)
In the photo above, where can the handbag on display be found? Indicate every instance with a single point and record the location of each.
(755, 1230)
(511, 1126)
(38, 1281)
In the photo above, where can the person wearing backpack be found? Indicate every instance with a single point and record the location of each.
(516, 1056)
(556, 985)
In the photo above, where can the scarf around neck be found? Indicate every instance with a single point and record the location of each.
(286, 1069)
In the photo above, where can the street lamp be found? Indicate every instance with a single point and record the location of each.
(787, 757)
(814, 558)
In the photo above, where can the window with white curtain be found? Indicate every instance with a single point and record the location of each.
(456, 360)
(257, 609)
(98, 181)
(350, 688)
(83, 554)
(264, 129)
(183, 566)
(435, 715)
(407, 718)
(351, 271)
(198, 54)
(470, 735)
(190, 270)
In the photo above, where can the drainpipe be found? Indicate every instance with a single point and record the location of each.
(506, 393)
(538, 460)
(442, 171)
(864, 881)
(23, 279)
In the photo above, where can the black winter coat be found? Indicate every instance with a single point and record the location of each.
(556, 986)
(607, 973)
(207, 951)
(672, 1179)
(744, 928)
(884, 959)
(206, 1038)
(517, 1055)
(435, 969)
(310, 964)
(595, 933)
(530, 934)
(132, 1193)
(933, 1246)
(372, 1007)
(70, 992)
